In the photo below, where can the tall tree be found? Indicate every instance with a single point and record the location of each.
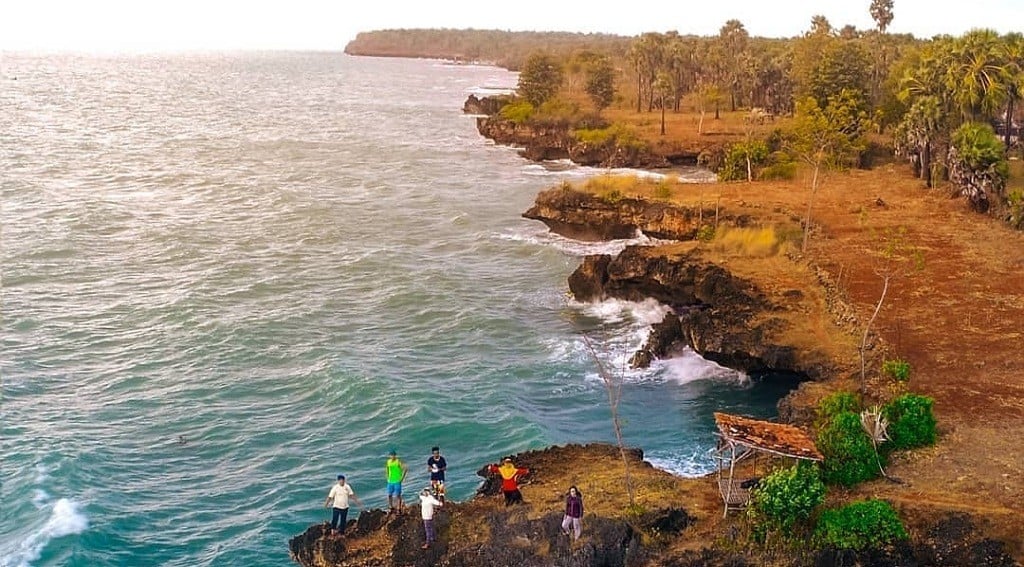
(881, 12)
(820, 25)
(663, 88)
(915, 135)
(540, 78)
(1013, 43)
(825, 138)
(841, 65)
(600, 84)
(733, 38)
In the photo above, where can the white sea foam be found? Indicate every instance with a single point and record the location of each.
(40, 498)
(697, 463)
(567, 169)
(644, 313)
(539, 234)
(66, 518)
(690, 366)
(489, 90)
(628, 326)
(42, 473)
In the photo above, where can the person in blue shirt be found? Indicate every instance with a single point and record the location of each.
(436, 465)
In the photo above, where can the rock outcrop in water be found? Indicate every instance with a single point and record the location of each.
(483, 531)
(677, 522)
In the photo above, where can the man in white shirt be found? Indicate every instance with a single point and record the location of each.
(338, 497)
(427, 505)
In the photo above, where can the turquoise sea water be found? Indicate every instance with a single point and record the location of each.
(229, 277)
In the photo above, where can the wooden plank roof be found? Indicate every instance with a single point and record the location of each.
(778, 438)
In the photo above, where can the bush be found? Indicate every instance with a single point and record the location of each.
(616, 133)
(787, 496)
(663, 190)
(836, 403)
(517, 112)
(783, 171)
(734, 167)
(559, 113)
(859, 525)
(911, 421)
(1015, 204)
(898, 370)
(706, 233)
(850, 458)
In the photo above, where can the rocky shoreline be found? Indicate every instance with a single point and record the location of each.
(557, 141)
(780, 316)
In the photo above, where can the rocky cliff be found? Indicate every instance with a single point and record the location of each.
(723, 316)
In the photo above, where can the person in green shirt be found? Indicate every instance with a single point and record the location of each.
(395, 471)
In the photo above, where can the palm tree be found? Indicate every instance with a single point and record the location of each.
(663, 87)
(979, 75)
(1013, 44)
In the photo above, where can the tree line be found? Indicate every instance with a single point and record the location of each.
(949, 105)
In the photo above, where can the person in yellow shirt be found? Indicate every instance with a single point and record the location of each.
(395, 471)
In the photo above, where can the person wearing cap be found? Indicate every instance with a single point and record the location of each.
(509, 480)
(427, 505)
(395, 471)
(338, 499)
(436, 465)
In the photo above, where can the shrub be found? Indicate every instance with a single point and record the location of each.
(783, 170)
(898, 370)
(663, 190)
(734, 167)
(706, 233)
(911, 421)
(787, 496)
(517, 112)
(850, 457)
(859, 525)
(1015, 204)
(558, 112)
(836, 403)
(616, 133)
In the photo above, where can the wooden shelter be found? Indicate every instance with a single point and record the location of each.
(743, 437)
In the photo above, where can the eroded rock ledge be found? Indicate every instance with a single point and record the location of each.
(482, 531)
(723, 316)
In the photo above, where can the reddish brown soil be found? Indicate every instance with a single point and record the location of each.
(959, 321)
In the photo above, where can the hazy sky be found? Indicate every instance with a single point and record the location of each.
(171, 25)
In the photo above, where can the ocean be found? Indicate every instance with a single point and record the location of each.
(229, 277)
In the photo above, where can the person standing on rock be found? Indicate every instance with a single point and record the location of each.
(395, 471)
(436, 465)
(573, 513)
(509, 480)
(427, 505)
(338, 500)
